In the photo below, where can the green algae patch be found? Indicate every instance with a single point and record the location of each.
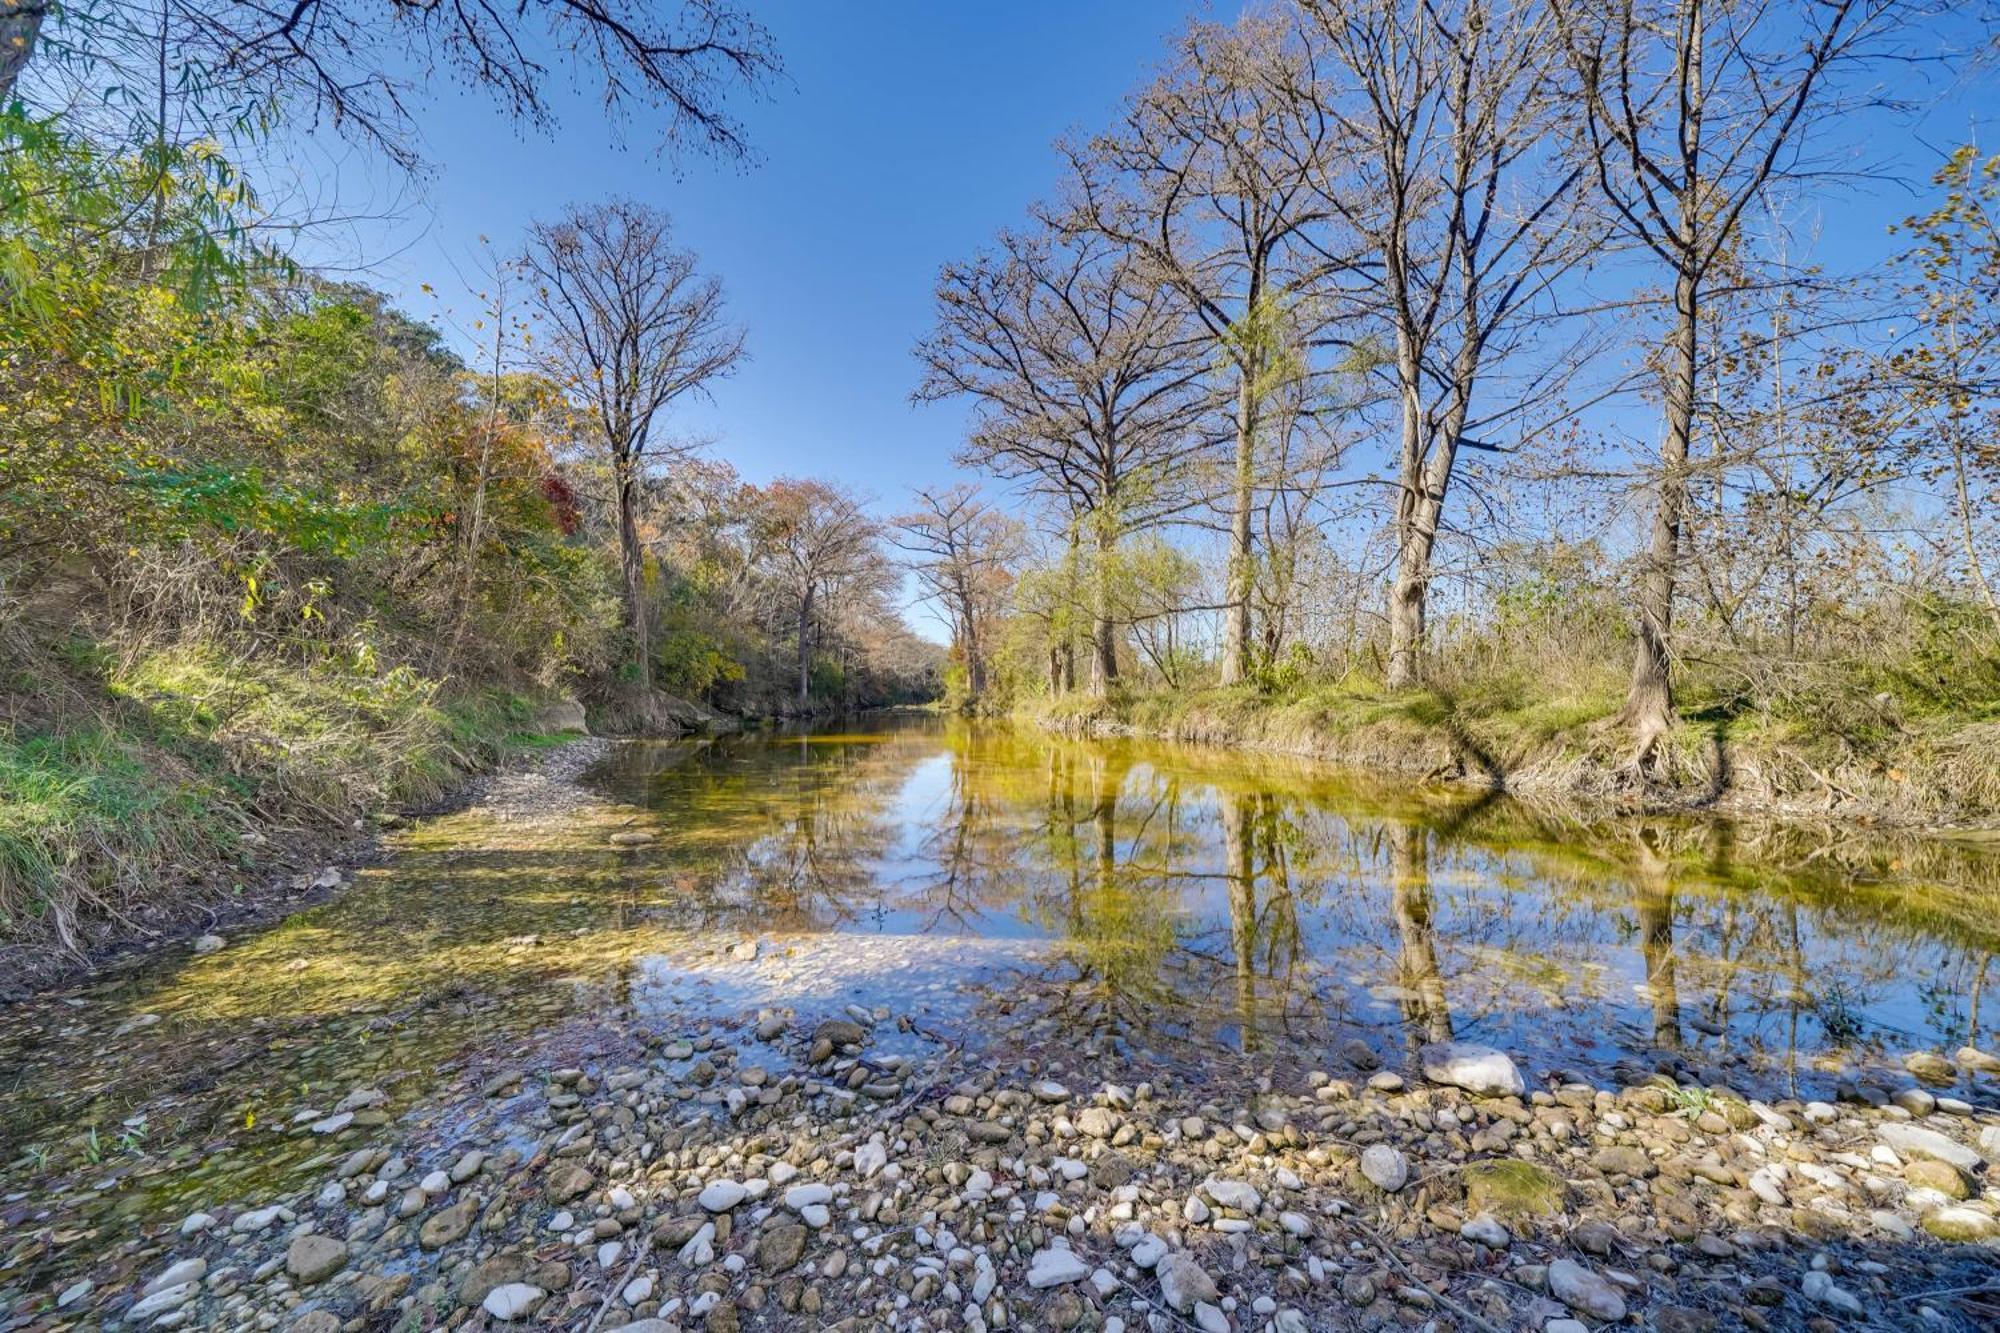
(1509, 1187)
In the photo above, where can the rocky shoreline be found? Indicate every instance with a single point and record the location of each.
(771, 1171)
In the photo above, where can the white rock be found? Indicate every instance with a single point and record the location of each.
(1477, 1069)
(1149, 1251)
(512, 1300)
(1237, 1194)
(210, 944)
(1210, 1319)
(1821, 1289)
(719, 1196)
(815, 1215)
(1485, 1230)
(167, 1298)
(75, 1292)
(1048, 1090)
(333, 1124)
(984, 1279)
(1385, 1167)
(700, 1248)
(1296, 1224)
(638, 1290)
(1916, 1141)
(194, 1222)
(1584, 1291)
(434, 1184)
(186, 1270)
(870, 1158)
(1055, 1266)
(801, 1196)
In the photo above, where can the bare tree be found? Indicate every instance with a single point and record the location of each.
(1087, 374)
(962, 550)
(1453, 173)
(332, 59)
(632, 325)
(819, 538)
(1212, 179)
(1692, 108)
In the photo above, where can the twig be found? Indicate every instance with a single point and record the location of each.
(1390, 1254)
(603, 1306)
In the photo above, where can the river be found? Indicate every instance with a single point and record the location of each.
(1217, 909)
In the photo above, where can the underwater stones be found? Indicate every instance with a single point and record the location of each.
(1584, 1291)
(163, 1301)
(449, 1225)
(1931, 1067)
(184, 1271)
(1978, 1061)
(1385, 1167)
(1509, 1187)
(841, 1032)
(314, 1258)
(567, 1181)
(1480, 1070)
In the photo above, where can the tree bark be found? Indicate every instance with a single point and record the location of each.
(805, 644)
(1649, 698)
(1103, 634)
(1236, 641)
(20, 26)
(632, 560)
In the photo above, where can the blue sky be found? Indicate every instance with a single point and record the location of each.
(906, 135)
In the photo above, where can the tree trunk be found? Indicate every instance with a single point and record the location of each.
(1425, 477)
(1103, 636)
(20, 25)
(632, 559)
(1649, 699)
(1236, 639)
(805, 645)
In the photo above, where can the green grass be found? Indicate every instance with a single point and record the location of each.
(140, 787)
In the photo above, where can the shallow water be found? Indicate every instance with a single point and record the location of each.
(1214, 905)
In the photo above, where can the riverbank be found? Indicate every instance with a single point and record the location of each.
(1942, 775)
(848, 1168)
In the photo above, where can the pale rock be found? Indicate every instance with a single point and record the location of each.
(1385, 1167)
(1584, 1291)
(1055, 1266)
(512, 1301)
(1477, 1069)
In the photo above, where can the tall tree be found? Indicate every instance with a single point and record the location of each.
(962, 550)
(1086, 372)
(1452, 173)
(819, 538)
(632, 325)
(1211, 178)
(1691, 109)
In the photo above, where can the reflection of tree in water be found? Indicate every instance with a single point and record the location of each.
(1426, 1012)
(1653, 897)
(1186, 883)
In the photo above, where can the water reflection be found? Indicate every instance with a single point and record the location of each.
(1251, 901)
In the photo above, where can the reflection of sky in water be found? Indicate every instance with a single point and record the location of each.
(1262, 895)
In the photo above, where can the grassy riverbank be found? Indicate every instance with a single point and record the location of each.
(156, 784)
(1888, 763)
